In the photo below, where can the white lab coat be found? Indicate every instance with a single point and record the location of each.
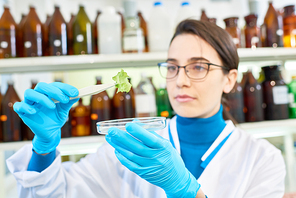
(243, 168)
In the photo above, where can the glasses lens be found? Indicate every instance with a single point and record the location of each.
(168, 70)
(197, 70)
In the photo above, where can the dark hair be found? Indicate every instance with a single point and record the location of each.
(219, 39)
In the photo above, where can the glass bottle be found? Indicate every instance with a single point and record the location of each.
(289, 21)
(272, 30)
(1, 53)
(1, 134)
(133, 36)
(122, 22)
(253, 99)
(151, 81)
(70, 35)
(275, 94)
(233, 30)
(130, 105)
(204, 16)
(82, 33)
(8, 34)
(118, 110)
(45, 36)
(95, 30)
(100, 108)
(11, 122)
(145, 98)
(32, 35)
(292, 98)
(252, 32)
(143, 25)
(164, 108)
(57, 34)
(80, 122)
(19, 38)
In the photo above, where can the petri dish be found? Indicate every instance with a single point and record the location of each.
(148, 123)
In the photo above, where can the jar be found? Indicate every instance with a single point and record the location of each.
(252, 32)
(233, 30)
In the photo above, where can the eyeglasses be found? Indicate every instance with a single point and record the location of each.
(195, 71)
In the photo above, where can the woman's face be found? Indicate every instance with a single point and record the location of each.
(197, 98)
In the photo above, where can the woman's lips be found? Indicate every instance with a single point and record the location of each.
(184, 98)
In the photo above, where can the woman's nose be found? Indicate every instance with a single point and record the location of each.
(182, 78)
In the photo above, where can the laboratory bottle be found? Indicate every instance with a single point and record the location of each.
(122, 22)
(159, 29)
(70, 34)
(185, 12)
(253, 99)
(292, 98)
(45, 36)
(95, 32)
(145, 98)
(130, 104)
(252, 32)
(235, 100)
(1, 53)
(133, 36)
(11, 122)
(79, 118)
(144, 27)
(8, 34)
(275, 94)
(100, 107)
(289, 21)
(32, 35)
(204, 16)
(1, 130)
(233, 30)
(163, 104)
(109, 31)
(57, 34)
(19, 37)
(82, 33)
(272, 29)
(118, 105)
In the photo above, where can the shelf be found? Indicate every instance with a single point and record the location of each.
(103, 61)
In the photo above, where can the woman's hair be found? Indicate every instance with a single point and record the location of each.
(219, 39)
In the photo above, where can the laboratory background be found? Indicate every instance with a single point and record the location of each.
(86, 42)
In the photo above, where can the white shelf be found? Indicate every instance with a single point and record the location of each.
(103, 61)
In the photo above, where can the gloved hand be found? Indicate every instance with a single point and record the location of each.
(154, 159)
(44, 117)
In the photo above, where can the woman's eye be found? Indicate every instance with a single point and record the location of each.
(172, 68)
(198, 68)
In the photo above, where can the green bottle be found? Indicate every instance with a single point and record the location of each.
(164, 108)
(82, 33)
(292, 96)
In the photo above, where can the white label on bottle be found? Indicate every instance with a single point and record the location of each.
(4, 44)
(235, 40)
(131, 43)
(280, 95)
(28, 44)
(145, 103)
(80, 38)
(254, 40)
(57, 43)
(292, 102)
(293, 32)
(279, 32)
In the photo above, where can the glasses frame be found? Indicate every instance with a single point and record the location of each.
(178, 66)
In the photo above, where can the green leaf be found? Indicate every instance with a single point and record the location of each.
(122, 82)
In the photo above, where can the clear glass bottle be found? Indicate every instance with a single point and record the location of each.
(292, 97)
(233, 30)
(79, 119)
(70, 34)
(95, 30)
(252, 32)
(289, 21)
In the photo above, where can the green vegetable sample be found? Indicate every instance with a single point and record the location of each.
(122, 82)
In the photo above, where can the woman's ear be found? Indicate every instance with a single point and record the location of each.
(231, 80)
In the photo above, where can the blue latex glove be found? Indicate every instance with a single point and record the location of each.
(44, 117)
(154, 159)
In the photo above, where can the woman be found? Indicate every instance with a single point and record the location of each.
(198, 154)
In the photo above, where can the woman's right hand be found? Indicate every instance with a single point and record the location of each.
(44, 117)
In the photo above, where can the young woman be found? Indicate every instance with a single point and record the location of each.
(198, 154)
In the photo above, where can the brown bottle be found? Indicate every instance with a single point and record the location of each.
(32, 35)
(275, 94)
(1, 134)
(57, 34)
(130, 107)
(118, 110)
(70, 35)
(252, 32)
(100, 108)
(122, 22)
(19, 39)
(1, 53)
(8, 33)
(253, 99)
(80, 122)
(95, 30)
(289, 20)
(45, 36)
(143, 25)
(233, 30)
(11, 122)
(203, 16)
(272, 30)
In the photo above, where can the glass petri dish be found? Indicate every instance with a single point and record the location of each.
(148, 123)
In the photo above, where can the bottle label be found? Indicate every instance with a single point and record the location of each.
(254, 40)
(80, 38)
(57, 43)
(292, 101)
(280, 95)
(4, 44)
(145, 103)
(28, 44)
(131, 43)
(235, 40)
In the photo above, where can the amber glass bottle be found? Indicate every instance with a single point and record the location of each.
(275, 94)
(100, 108)
(80, 122)
(143, 25)
(95, 30)
(1, 53)
(130, 105)
(253, 99)
(289, 20)
(252, 32)
(45, 40)
(8, 33)
(82, 33)
(32, 35)
(233, 30)
(70, 35)
(19, 39)
(204, 16)
(11, 122)
(118, 110)
(1, 130)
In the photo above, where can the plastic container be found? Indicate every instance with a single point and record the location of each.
(109, 31)
(185, 12)
(148, 123)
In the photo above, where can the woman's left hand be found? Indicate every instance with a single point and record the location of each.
(154, 159)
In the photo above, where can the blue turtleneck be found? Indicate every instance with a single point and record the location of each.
(196, 135)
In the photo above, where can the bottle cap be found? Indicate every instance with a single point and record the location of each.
(98, 77)
(157, 3)
(34, 81)
(10, 82)
(130, 8)
(162, 85)
(109, 10)
(185, 3)
(293, 77)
